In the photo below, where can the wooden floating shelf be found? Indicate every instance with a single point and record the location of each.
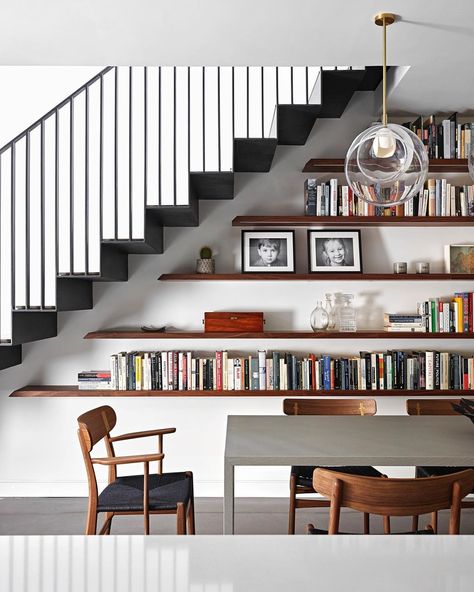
(274, 335)
(374, 221)
(314, 277)
(73, 391)
(336, 165)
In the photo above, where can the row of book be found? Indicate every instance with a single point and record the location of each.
(436, 315)
(444, 139)
(438, 198)
(183, 371)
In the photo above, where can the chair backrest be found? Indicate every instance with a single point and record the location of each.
(431, 406)
(95, 425)
(393, 497)
(329, 407)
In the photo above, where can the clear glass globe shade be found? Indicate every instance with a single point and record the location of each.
(386, 165)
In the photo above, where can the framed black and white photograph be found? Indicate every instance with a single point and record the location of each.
(268, 251)
(334, 250)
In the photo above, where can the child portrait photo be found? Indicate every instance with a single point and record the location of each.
(268, 251)
(334, 250)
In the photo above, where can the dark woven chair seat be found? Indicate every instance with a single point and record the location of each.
(438, 471)
(125, 494)
(304, 475)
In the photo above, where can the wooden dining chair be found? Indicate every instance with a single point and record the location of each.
(435, 407)
(301, 477)
(392, 497)
(155, 493)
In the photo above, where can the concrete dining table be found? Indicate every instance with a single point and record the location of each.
(381, 440)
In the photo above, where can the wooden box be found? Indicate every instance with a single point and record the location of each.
(233, 322)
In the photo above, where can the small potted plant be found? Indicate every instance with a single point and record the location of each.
(205, 263)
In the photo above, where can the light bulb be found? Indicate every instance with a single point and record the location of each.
(384, 144)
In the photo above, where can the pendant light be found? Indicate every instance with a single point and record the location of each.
(386, 164)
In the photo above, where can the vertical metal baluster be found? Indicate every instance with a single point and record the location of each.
(263, 103)
(174, 135)
(86, 174)
(291, 83)
(219, 115)
(42, 225)
(159, 136)
(71, 186)
(276, 83)
(307, 84)
(130, 156)
(145, 137)
(13, 233)
(248, 103)
(203, 118)
(27, 223)
(116, 153)
(101, 160)
(233, 117)
(56, 189)
(189, 119)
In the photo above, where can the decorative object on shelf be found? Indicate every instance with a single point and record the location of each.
(386, 164)
(400, 267)
(329, 308)
(153, 329)
(319, 318)
(422, 267)
(459, 258)
(205, 263)
(268, 251)
(347, 315)
(334, 251)
(233, 322)
(465, 407)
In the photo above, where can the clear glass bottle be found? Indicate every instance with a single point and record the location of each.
(336, 309)
(319, 318)
(329, 308)
(347, 314)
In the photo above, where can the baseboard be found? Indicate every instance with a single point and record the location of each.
(243, 488)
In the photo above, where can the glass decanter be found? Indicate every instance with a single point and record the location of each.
(319, 318)
(329, 308)
(347, 314)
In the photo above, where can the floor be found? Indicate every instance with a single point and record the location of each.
(56, 516)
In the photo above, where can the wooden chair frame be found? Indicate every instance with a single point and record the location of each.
(321, 407)
(393, 497)
(434, 407)
(96, 425)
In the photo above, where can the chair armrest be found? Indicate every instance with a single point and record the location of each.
(123, 460)
(133, 435)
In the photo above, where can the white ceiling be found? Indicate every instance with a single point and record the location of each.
(434, 37)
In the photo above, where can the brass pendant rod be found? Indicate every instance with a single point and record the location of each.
(384, 87)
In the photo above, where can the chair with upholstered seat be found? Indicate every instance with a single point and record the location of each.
(301, 477)
(157, 493)
(392, 497)
(435, 407)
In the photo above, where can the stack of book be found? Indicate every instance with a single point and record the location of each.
(92, 380)
(394, 323)
(445, 139)
(438, 198)
(281, 371)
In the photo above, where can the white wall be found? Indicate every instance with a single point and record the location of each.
(39, 449)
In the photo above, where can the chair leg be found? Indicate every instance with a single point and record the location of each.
(292, 509)
(191, 524)
(434, 521)
(386, 524)
(91, 523)
(180, 518)
(366, 523)
(109, 517)
(414, 523)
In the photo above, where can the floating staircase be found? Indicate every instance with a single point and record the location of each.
(130, 152)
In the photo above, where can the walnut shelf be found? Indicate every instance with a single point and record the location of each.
(315, 277)
(273, 335)
(336, 165)
(373, 221)
(73, 391)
